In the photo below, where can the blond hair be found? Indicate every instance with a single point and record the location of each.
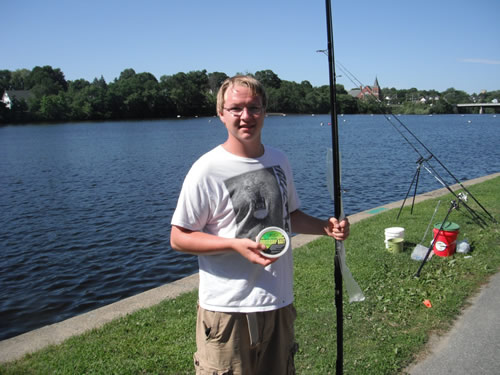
(247, 81)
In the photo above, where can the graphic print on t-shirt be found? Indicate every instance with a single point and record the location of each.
(257, 201)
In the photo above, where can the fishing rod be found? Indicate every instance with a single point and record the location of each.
(423, 158)
(336, 191)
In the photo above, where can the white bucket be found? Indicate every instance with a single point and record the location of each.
(394, 232)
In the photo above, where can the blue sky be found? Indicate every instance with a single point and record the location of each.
(423, 44)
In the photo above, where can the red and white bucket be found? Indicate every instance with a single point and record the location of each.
(446, 243)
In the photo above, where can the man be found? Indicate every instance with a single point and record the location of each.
(245, 314)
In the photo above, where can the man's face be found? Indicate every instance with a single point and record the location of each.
(243, 115)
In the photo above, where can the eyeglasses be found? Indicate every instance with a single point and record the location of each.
(238, 111)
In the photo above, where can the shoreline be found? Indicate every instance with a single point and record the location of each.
(18, 346)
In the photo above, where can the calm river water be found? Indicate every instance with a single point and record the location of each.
(85, 208)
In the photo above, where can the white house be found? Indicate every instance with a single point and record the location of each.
(9, 95)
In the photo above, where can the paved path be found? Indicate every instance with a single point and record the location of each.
(29, 342)
(472, 347)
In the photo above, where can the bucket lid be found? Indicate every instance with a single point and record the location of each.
(448, 226)
(394, 230)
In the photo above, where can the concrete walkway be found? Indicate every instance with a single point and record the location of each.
(29, 342)
(473, 344)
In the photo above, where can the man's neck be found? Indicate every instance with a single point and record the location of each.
(253, 150)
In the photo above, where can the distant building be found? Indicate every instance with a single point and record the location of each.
(367, 91)
(9, 95)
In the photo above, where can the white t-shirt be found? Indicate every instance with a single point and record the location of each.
(235, 197)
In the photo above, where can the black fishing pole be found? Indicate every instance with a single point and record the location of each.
(336, 190)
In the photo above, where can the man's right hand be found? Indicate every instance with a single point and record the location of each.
(251, 251)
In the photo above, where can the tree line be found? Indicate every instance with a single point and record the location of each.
(133, 95)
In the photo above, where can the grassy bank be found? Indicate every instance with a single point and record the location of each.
(382, 335)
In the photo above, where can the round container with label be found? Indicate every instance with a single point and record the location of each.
(276, 241)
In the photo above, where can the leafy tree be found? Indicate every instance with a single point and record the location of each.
(268, 78)
(127, 74)
(46, 81)
(188, 92)
(286, 99)
(77, 85)
(135, 95)
(318, 101)
(453, 96)
(5, 77)
(54, 108)
(19, 79)
(441, 107)
(88, 101)
(371, 105)
(79, 105)
(215, 80)
(96, 95)
(347, 104)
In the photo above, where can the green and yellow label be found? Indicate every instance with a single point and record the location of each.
(274, 241)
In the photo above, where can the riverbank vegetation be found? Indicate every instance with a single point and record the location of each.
(44, 95)
(382, 335)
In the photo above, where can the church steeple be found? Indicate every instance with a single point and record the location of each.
(367, 91)
(376, 89)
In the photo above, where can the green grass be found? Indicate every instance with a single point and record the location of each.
(382, 335)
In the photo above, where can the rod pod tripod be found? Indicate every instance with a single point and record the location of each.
(415, 179)
(460, 196)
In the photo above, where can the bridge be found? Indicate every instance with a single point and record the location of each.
(480, 105)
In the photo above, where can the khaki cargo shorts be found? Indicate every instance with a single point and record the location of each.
(245, 344)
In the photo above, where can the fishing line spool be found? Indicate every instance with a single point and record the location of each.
(275, 239)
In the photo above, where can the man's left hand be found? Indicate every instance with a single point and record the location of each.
(336, 229)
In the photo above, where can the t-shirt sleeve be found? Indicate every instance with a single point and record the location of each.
(192, 208)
